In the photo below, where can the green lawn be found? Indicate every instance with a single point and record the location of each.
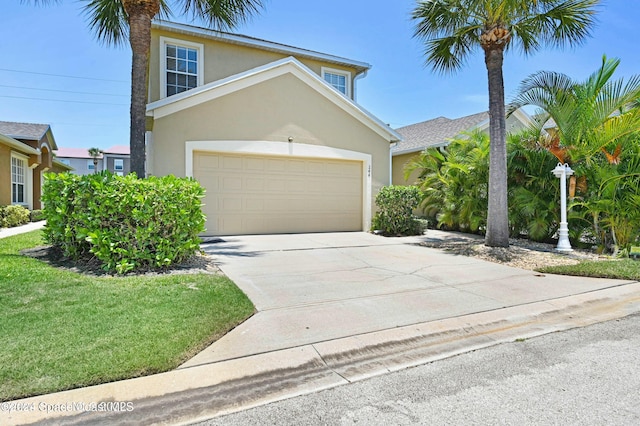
(61, 330)
(624, 269)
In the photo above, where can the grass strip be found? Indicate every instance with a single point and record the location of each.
(623, 269)
(61, 330)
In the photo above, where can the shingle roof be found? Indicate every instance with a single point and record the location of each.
(29, 131)
(435, 132)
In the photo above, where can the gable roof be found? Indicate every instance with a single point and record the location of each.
(257, 43)
(240, 81)
(26, 131)
(436, 132)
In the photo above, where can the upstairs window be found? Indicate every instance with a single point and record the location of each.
(18, 174)
(340, 80)
(181, 66)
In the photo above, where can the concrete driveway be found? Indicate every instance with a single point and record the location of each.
(311, 288)
(337, 308)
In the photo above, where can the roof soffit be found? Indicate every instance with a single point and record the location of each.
(243, 40)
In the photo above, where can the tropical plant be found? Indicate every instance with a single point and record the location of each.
(590, 117)
(452, 29)
(533, 189)
(119, 21)
(595, 129)
(95, 153)
(612, 202)
(454, 182)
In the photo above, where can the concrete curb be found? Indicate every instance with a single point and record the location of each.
(198, 393)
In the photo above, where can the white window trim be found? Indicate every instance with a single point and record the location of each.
(91, 166)
(28, 184)
(115, 164)
(163, 61)
(347, 74)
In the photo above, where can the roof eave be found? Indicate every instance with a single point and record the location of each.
(17, 145)
(258, 43)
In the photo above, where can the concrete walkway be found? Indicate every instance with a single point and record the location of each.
(335, 308)
(31, 226)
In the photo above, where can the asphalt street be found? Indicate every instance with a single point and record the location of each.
(584, 376)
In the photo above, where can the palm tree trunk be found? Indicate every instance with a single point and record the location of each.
(140, 40)
(498, 214)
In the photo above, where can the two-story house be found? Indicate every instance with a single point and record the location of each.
(114, 159)
(271, 131)
(25, 155)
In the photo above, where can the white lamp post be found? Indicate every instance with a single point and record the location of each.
(562, 171)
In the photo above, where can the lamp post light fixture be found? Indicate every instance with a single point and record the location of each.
(562, 171)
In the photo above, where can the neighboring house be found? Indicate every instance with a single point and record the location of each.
(437, 133)
(272, 132)
(114, 159)
(25, 155)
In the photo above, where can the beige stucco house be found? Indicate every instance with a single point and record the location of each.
(437, 133)
(26, 153)
(271, 131)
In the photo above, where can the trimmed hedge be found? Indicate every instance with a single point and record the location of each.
(36, 215)
(395, 215)
(11, 216)
(129, 224)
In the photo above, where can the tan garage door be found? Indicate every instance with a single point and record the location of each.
(254, 194)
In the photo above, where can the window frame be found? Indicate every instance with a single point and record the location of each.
(90, 165)
(342, 73)
(116, 162)
(25, 180)
(164, 41)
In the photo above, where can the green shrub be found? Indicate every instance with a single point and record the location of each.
(11, 216)
(129, 224)
(395, 215)
(36, 215)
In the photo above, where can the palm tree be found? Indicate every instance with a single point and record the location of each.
(596, 130)
(118, 21)
(452, 29)
(590, 117)
(95, 153)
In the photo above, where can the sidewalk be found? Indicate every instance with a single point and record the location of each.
(31, 226)
(337, 308)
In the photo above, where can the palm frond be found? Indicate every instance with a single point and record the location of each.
(109, 20)
(222, 14)
(559, 23)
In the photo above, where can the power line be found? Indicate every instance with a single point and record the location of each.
(64, 76)
(60, 100)
(62, 91)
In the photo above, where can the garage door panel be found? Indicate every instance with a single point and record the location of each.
(273, 165)
(276, 185)
(254, 184)
(253, 194)
(231, 205)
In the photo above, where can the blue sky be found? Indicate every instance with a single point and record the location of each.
(52, 48)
